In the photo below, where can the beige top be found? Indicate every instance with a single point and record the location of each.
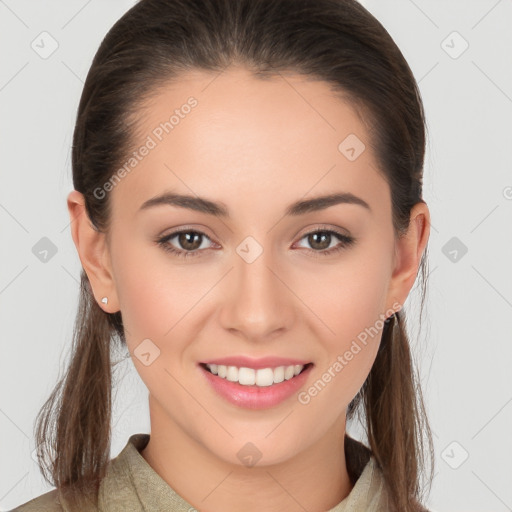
(132, 485)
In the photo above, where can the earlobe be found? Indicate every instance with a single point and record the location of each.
(409, 251)
(93, 252)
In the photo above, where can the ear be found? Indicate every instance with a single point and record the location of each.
(93, 252)
(408, 252)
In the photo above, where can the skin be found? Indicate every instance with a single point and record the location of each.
(246, 140)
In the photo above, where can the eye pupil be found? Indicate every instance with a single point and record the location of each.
(185, 240)
(320, 245)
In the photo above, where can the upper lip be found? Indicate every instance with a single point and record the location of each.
(256, 363)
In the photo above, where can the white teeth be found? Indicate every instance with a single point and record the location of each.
(250, 377)
(246, 376)
(279, 374)
(232, 374)
(265, 377)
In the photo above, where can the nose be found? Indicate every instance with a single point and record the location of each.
(257, 304)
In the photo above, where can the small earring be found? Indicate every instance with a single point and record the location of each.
(104, 300)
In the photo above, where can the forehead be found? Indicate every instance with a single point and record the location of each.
(214, 131)
(277, 110)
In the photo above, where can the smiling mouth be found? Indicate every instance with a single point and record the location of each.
(262, 377)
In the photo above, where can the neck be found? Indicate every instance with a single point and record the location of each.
(314, 479)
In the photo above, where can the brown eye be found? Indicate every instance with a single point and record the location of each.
(188, 240)
(188, 243)
(320, 241)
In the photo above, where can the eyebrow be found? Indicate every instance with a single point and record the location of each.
(220, 210)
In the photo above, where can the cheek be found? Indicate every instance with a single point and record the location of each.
(350, 297)
(353, 314)
(152, 289)
(149, 291)
(350, 300)
(153, 299)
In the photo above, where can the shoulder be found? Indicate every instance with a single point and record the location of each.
(48, 502)
(116, 485)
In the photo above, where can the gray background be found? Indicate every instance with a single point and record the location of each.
(464, 348)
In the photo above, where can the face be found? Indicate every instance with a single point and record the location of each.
(310, 285)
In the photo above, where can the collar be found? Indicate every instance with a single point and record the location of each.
(132, 484)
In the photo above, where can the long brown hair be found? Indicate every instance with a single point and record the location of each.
(337, 41)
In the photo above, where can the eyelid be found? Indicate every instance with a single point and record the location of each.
(312, 228)
(186, 229)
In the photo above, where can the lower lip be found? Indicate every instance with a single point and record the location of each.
(255, 397)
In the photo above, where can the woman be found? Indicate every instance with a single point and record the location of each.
(248, 214)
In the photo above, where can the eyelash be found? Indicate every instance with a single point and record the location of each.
(345, 242)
